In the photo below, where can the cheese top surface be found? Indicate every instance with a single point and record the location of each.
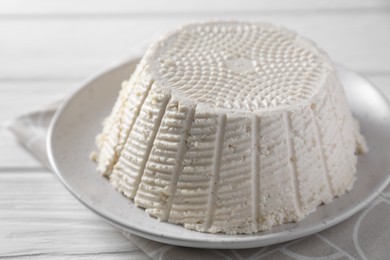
(240, 66)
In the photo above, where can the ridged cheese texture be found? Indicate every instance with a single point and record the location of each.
(231, 127)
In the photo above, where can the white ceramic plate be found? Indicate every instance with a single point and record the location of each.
(71, 140)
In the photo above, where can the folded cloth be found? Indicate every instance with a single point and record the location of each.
(366, 235)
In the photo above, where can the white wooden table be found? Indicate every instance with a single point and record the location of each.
(48, 46)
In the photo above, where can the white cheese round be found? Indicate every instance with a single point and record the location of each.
(231, 127)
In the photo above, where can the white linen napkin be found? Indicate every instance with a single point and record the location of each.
(366, 235)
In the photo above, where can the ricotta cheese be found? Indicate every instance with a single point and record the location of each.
(231, 127)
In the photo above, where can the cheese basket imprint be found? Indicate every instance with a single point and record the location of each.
(231, 127)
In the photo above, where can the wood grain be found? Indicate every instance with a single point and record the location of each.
(169, 7)
(18, 97)
(73, 48)
(39, 218)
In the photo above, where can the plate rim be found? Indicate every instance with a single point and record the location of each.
(235, 242)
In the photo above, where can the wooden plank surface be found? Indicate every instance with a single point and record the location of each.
(40, 219)
(169, 7)
(20, 96)
(73, 48)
